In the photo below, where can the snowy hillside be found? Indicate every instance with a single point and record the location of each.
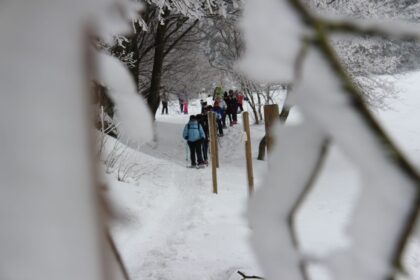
(172, 227)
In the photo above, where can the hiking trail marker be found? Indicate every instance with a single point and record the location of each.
(248, 153)
(271, 115)
(213, 149)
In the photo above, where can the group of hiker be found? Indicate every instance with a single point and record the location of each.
(226, 105)
(183, 105)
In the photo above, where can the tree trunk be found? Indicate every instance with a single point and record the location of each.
(259, 106)
(251, 103)
(153, 98)
(256, 117)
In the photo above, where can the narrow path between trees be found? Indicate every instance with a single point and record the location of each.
(186, 231)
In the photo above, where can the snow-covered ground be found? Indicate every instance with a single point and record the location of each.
(172, 227)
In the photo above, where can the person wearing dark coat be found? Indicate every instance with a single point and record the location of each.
(164, 104)
(234, 109)
(203, 106)
(181, 105)
(227, 100)
(164, 107)
(194, 134)
(219, 115)
(203, 121)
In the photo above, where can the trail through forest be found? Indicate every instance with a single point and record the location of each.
(174, 228)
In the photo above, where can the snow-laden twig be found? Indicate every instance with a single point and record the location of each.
(335, 109)
(244, 276)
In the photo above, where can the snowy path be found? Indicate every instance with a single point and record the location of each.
(169, 232)
(186, 232)
(174, 228)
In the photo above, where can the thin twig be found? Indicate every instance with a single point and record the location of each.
(248, 277)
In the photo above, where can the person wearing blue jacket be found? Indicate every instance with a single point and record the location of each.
(219, 115)
(194, 134)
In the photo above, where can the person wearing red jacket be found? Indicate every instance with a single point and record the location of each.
(240, 98)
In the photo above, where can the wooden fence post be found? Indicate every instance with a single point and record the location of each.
(248, 153)
(213, 145)
(216, 148)
(271, 115)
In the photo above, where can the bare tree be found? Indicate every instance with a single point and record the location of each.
(164, 27)
(224, 48)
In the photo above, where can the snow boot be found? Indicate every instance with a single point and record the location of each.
(201, 165)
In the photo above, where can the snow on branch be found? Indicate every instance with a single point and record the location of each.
(196, 9)
(334, 110)
(382, 28)
(135, 121)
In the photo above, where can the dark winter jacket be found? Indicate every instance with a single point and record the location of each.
(193, 132)
(233, 105)
(203, 121)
